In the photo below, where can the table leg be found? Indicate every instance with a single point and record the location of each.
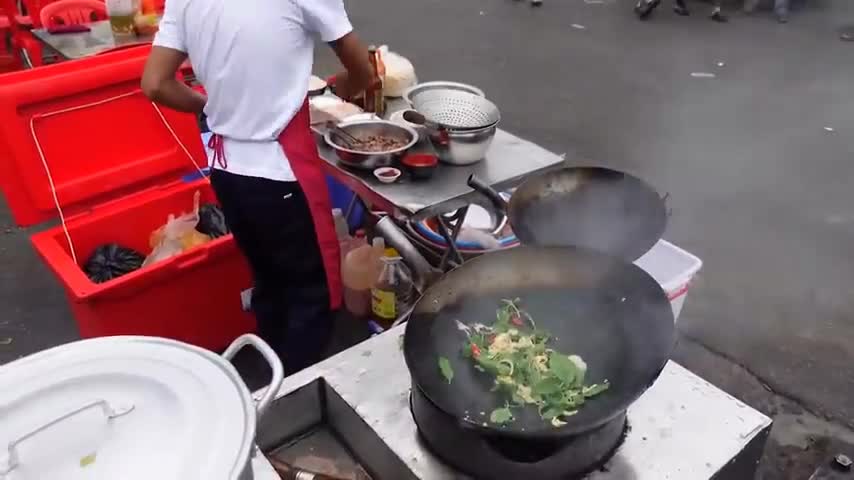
(450, 236)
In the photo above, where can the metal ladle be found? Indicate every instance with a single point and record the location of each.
(412, 116)
(439, 131)
(342, 134)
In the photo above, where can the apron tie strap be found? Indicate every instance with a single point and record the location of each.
(216, 144)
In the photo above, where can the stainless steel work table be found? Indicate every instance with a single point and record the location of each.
(508, 162)
(510, 159)
(682, 428)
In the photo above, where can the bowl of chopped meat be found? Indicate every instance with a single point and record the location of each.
(370, 144)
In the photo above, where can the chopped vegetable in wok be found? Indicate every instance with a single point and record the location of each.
(525, 370)
(446, 369)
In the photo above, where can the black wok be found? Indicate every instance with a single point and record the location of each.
(609, 311)
(592, 207)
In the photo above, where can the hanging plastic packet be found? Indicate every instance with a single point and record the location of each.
(177, 235)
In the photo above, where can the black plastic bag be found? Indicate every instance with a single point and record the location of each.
(212, 221)
(112, 261)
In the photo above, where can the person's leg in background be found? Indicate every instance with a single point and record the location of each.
(273, 228)
(717, 15)
(781, 9)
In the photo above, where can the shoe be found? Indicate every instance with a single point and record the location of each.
(782, 17)
(536, 3)
(718, 16)
(645, 7)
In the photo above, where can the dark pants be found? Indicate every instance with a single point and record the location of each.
(272, 225)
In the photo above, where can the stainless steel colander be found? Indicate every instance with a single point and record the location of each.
(456, 109)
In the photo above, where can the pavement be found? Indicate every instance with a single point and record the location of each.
(758, 158)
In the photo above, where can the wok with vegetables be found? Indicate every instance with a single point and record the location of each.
(526, 371)
(588, 335)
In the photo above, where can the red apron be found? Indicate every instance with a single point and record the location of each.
(297, 141)
(300, 148)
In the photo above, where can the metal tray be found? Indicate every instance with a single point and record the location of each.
(313, 428)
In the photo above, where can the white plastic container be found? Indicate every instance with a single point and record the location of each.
(673, 268)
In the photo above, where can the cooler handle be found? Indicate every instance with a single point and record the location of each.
(11, 462)
(272, 359)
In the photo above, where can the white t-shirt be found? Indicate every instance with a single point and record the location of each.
(254, 58)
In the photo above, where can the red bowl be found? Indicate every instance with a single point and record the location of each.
(420, 165)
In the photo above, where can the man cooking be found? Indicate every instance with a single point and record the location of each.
(255, 59)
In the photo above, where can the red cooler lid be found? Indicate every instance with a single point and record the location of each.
(100, 137)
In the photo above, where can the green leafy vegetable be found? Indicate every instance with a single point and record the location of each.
(595, 389)
(446, 369)
(564, 370)
(501, 416)
(524, 369)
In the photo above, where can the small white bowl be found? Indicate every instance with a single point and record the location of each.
(387, 174)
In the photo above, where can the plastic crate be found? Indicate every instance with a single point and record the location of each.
(117, 172)
(674, 269)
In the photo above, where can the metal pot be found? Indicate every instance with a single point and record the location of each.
(462, 147)
(131, 407)
(371, 160)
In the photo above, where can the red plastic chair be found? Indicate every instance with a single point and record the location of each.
(26, 49)
(8, 59)
(72, 12)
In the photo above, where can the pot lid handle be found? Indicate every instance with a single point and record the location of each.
(271, 358)
(11, 461)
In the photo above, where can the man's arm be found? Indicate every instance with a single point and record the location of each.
(329, 20)
(354, 56)
(159, 82)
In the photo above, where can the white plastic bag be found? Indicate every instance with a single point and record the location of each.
(399, 73)
(176, 236)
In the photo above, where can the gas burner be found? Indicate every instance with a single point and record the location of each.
(487, 457)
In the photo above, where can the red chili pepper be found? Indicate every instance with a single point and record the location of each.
(475, 350)
(515, 320)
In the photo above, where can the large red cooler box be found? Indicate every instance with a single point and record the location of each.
(117, 172)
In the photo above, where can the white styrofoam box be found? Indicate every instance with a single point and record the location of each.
(673, 268)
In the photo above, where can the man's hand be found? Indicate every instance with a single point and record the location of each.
(159, 82)
(354, 56)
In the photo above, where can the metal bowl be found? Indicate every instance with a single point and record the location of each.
(371, 160)
(462, 147)
(410, 94)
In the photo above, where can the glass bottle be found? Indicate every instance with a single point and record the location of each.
(392, 293)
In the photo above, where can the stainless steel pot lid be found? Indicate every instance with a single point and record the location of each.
(125, 408)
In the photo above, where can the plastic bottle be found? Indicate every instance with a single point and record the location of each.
(352, 243)
(341, 228)
(358, 274)
(374, 97)
(392, 292)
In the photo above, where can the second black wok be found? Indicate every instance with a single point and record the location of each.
(592, 207)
